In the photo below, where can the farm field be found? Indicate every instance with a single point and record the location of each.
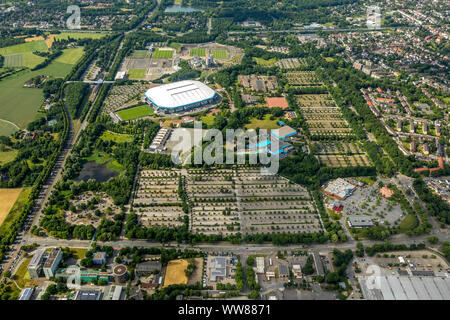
(219, 54)
(201, 52)
(23, 103)
(162, 54)
(7, 199)
(39, 45)
(18, 201)
(135, 112)
(6, 129)
(175, 272)
(116, 137)
(139, 54)
(71, 55)
(137, 73)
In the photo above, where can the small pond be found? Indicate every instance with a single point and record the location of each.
(93, 170)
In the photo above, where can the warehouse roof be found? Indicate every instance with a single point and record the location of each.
(179, 94)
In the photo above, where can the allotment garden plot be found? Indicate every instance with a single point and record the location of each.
(123, 97)
(156, 199)
(322, 116)
(291, 63)
(302, 78)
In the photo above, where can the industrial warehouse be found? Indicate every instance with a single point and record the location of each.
(181, 97)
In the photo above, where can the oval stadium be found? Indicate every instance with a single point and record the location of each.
(181, 96)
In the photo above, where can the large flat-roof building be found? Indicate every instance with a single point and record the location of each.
(26, 294)
(217, 269)
(339, 188)
(180, 96)
(35, 265)
(52, 262)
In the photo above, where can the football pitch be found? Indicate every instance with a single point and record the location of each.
(162, 54)
(139, 54)
(135, 112)
(199, 52)
(219, 54)
(137, 73)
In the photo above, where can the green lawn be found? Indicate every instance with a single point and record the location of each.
(6, 129)
(219, 54)
(7, 156)
(136, 74)
(31, 46)
(265, 63)
(135, 112)
(266, 123)
(71, 55)
(409, 223)
(162, 54)
(139, 54)
(79, 35)
(27, 59)
(116, 137)
(208, 120)
(201, 52)
(175, 45)
(17, 207)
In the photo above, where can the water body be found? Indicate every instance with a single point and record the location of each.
(93, 170)
(178, 9)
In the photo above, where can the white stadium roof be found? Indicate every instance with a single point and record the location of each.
(179, 94)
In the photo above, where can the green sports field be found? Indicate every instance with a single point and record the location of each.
(219, 54)
(139, 54)
(71, 55)
(199, 52)
(162, 54)
(136, 74)
(135, 112)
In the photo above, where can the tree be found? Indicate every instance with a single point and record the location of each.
(332, 277)
(250, 261)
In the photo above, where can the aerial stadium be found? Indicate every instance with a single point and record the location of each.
(182, 96)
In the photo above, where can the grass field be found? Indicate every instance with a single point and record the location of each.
(7, 156)
(7, 199)
(208, 119)
(39, 45)
(139, 54)
(175, 272)
(175, 45)
(136, 73)
(116, 137)
(219, 54)
(265, 63)
(201, 52)
(135, 112)
(266, 123)
(27, 59)
(409, 223)
(20, 105)
(18, 204)
(162, 54)
(79, 35)
(71, 55)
